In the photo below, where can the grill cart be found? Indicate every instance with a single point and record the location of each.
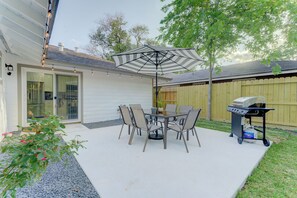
(245, 108)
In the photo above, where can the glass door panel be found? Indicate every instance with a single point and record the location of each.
(67, 96)
(39, 94)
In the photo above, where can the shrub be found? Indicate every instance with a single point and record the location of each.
(27, 155)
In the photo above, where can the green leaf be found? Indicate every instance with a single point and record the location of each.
(24, 164)
(276, 70)
(40, 156)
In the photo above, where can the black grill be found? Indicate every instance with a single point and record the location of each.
(246, 108)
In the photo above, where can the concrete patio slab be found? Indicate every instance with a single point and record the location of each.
(218, 169)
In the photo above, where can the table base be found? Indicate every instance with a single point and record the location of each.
(156, 136)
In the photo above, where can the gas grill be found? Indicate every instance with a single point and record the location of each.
(245, 108)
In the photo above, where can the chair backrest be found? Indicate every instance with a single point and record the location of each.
(191, 119)
(154, 110)
(170, 107)
(126, 116)
(185, 109)
(139, 118)
(136, 106)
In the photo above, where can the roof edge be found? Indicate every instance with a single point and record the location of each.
(227, 78)
(89, 67)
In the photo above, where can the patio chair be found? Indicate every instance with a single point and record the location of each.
(189, 124)
(183, 109)
(168, 108)
(153, 119)
(126, 117)
(138, 106)
(180, 119)
(141, 123)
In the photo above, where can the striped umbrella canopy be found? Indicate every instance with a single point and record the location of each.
(157, 60)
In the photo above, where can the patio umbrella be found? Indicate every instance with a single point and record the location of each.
(157, 60)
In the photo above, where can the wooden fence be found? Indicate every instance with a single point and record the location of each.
(280, 93)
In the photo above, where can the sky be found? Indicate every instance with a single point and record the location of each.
(76, 19)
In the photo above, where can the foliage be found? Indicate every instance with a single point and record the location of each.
(139, 33)
(27, 156)
(217, 28)
(276, 174)
(161, 103)
(110, 37)
(154, 42)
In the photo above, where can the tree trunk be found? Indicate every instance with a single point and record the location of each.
(209, 92)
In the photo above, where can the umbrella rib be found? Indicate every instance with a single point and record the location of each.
(172, 55)
(161, 61)
(149, 58)
(169, 58)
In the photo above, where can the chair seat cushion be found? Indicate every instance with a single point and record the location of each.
(175, 127)
(153, 127)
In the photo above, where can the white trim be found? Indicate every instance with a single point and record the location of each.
(24, 71)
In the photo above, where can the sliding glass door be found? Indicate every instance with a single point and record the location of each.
(39, 94)
(67, 96)
(51, 93)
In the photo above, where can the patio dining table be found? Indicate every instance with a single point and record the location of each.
(166, 115)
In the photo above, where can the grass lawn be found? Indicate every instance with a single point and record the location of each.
(276, 175)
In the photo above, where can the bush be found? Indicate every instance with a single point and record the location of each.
(27, 155)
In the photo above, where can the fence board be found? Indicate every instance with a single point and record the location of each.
(280, 93)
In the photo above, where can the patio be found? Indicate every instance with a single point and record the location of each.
(218, 169)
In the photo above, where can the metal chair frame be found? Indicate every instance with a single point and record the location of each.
(125, 120)
(142, 126)
(184, 128)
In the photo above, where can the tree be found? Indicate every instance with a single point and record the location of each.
(217, 27)
(155, 42)
(110, 37)
(139, 33)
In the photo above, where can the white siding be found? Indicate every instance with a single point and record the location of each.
(10, 93)
(102, 94)
(3, 119)
(10, 90)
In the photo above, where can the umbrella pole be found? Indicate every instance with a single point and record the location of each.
(157, 87)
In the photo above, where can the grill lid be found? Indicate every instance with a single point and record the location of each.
(248, 101)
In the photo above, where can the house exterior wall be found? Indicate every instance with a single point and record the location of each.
(102, 94)
(11, 90)
(3, 120)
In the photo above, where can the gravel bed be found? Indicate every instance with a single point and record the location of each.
(61, 181)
